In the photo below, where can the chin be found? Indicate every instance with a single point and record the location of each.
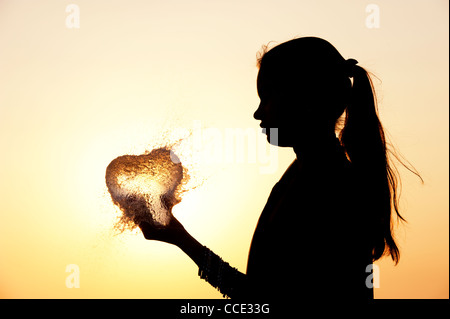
(276, 140)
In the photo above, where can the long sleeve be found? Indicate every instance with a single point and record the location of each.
(228, 280)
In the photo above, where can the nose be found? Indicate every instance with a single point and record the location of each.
(258, 113)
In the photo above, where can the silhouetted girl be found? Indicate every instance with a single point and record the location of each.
(329, 216)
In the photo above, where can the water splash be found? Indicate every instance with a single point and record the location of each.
(146, 187)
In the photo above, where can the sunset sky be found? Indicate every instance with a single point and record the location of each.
(135, 74)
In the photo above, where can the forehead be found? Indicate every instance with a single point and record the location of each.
(263, 80)
(272, 81)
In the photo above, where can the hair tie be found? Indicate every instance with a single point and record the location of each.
(350, 67)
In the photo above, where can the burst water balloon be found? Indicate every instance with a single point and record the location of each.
(145, 187)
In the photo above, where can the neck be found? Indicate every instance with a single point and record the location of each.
(318, 147)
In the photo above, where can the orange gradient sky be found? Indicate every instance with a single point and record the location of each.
(73, 99)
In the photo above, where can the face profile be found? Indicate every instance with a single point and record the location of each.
(302, 93)
(280, 119)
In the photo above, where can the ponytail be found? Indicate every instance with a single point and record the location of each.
(365, 144)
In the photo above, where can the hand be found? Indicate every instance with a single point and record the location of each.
(172, 233)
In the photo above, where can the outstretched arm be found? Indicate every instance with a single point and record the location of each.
(228, 280)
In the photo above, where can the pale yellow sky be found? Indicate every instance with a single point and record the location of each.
(72, 99)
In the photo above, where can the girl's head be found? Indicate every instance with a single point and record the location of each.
(305, 85)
